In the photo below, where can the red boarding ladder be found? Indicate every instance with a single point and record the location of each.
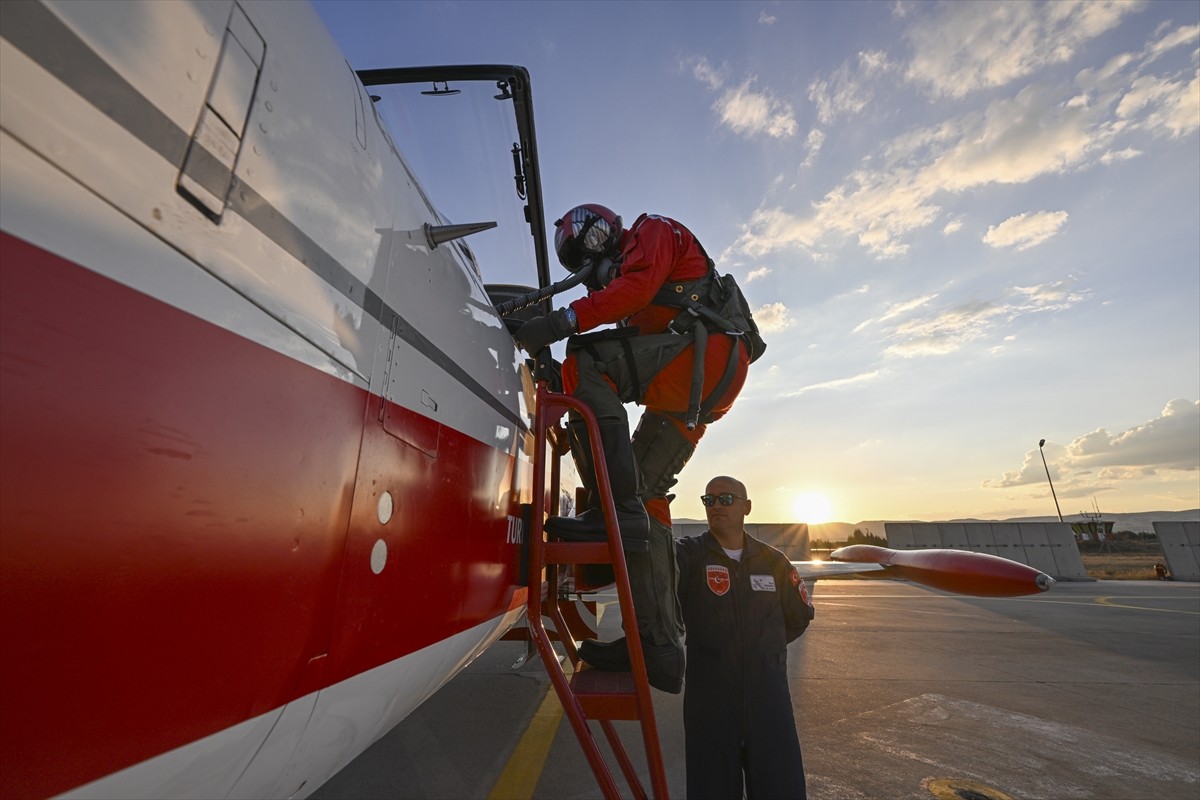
(590, 694)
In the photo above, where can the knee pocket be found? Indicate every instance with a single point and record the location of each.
(660, 451)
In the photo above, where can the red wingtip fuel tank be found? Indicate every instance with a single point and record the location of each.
(959, 571)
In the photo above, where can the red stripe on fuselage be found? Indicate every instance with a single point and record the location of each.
(186, 523)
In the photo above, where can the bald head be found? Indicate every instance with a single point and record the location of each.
(730, 484)
(726, 521)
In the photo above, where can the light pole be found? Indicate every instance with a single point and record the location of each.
(1042, 444)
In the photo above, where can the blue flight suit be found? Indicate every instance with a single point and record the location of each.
(737, 708)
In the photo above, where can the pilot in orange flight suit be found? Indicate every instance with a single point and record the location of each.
(636, 276)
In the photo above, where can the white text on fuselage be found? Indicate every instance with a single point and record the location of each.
(516, 531)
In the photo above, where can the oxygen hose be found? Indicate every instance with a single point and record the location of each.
(538, 295)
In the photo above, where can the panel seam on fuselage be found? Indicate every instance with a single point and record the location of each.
(45, 39)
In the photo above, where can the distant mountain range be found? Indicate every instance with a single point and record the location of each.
(1139, 522)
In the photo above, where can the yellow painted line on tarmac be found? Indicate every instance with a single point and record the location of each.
(1107, 601)
(524, 768)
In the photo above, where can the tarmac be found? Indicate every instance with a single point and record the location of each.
(1090, 691)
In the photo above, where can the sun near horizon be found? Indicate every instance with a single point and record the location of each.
(812, 507)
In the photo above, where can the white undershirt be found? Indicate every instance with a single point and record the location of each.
(736, 555)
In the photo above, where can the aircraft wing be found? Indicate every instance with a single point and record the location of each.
(958, 571)
(815, 570)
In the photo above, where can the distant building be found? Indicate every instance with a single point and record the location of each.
(1093, 530)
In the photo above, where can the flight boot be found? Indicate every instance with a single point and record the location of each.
(622, 476)
(664, 662)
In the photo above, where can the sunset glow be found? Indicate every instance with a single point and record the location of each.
(813, 508)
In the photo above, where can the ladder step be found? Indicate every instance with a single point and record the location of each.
(576, 553)
(605, 695)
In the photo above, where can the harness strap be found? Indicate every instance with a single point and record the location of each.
(700, 336)
(627, 347)
(723, 385)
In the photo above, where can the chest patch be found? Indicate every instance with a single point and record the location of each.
(762, 583)
(718, 579)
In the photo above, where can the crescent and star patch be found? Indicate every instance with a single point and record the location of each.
(802, 586)
(718, 579)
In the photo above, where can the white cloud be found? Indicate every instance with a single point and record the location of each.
(1056, 296)
(1025, 230)
(945, 333)
(1171, 106)
(964, 47)
(748, 112)
(773, 317)
(1012, 141)
(816, 138)
(953, 226)
(742, 109)
(848, 90)
(839, 383)
(1040, 130)
(761, 272)
(1030, 472)
(1170, 441)
(1187, 34)
(706, 73)
(765, 19)
(945, 330)
(899, 309)
(1112, 157)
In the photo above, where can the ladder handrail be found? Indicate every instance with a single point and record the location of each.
(550, 408)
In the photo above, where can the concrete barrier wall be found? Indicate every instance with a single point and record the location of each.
(1007, 537)
(1046, 546)
(899, 535)
(1037, 547)
(1180, 542)
(790, 537)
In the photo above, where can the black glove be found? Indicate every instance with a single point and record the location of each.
(542, 331)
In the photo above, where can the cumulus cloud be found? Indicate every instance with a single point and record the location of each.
(953, 226)
(743, 109)
(765, 19)
(1183, 35)
(848, 90)
(761, 272)
(1169, 105)
(816, 138)
(1170, 441)
(748, 112)
(1025, 230)
(1040, 130)
(1013, 141)
(964, 47)
(773, 317)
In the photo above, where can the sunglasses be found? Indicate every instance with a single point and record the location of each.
(726, 499)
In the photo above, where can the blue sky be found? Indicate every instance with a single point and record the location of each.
(964, 227)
